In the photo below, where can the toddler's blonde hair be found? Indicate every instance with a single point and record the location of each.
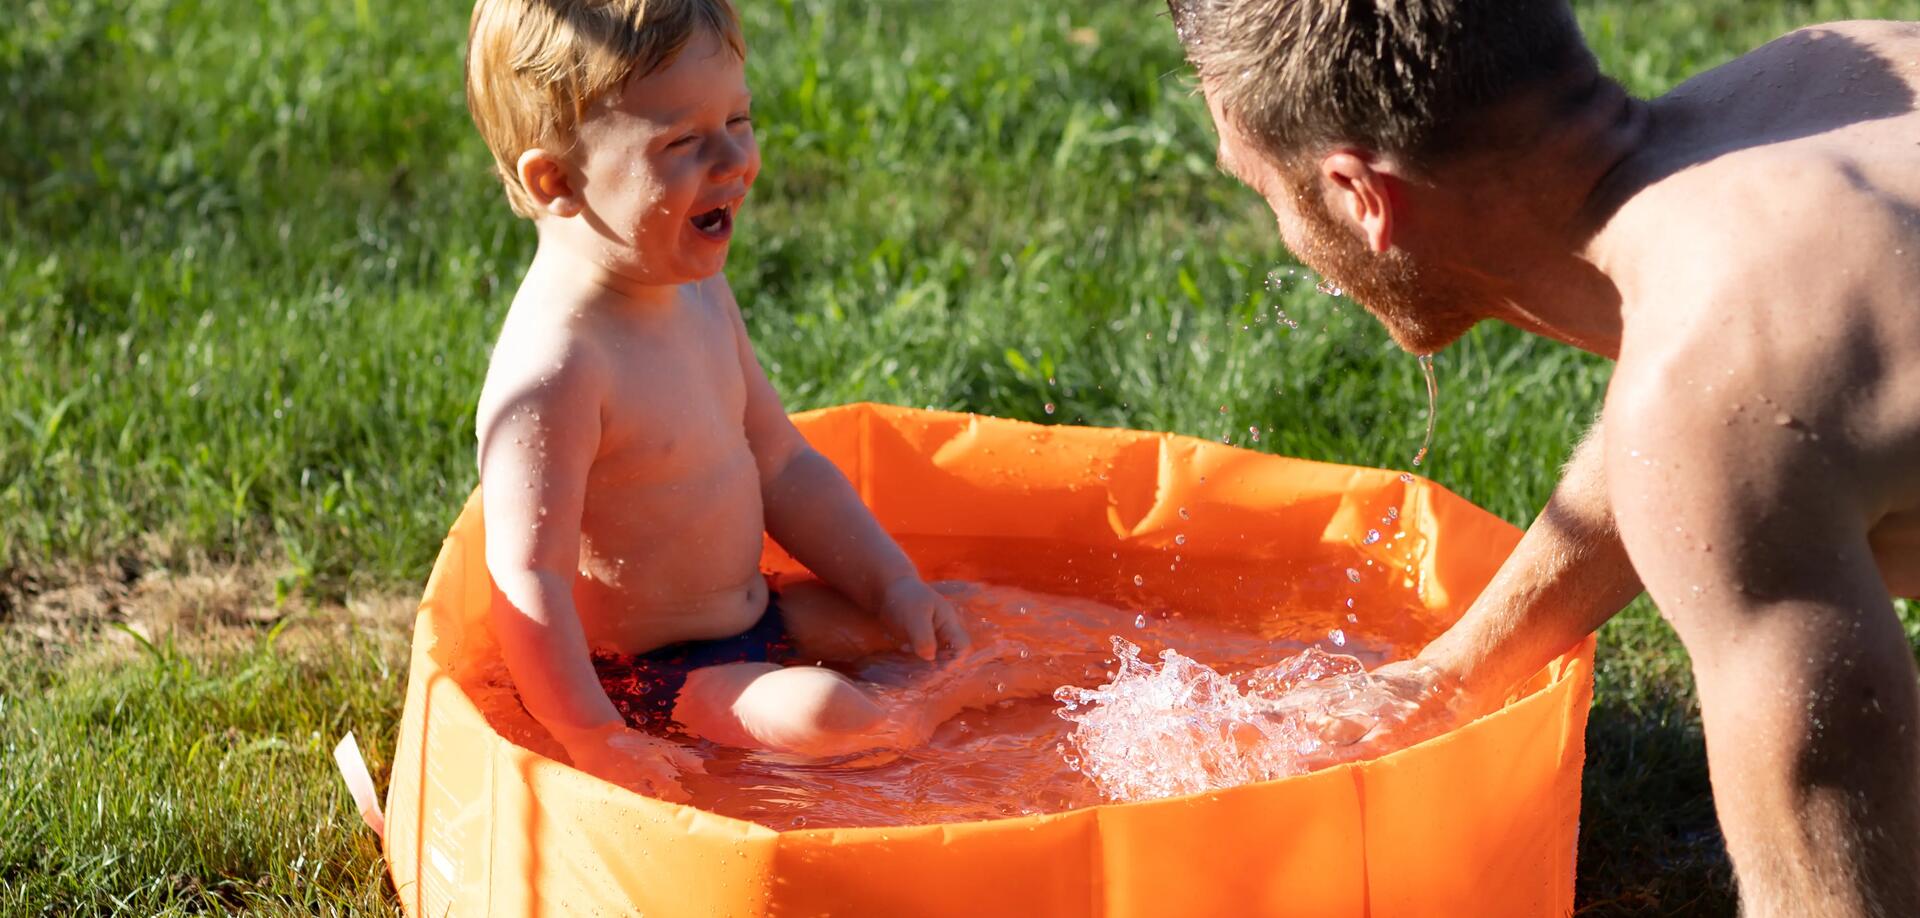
(534, 67)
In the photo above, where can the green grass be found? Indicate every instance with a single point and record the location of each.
(254, 260)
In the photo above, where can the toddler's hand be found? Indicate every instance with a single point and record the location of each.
(624, 756)
(923, 619)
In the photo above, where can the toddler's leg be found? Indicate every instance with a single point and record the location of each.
(797, 709)
(826, 625)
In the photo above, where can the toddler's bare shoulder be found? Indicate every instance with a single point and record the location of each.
(536, 364)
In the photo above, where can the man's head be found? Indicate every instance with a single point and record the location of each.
(631, 115)
(1335, 109)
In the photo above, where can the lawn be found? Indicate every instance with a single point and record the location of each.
(254, 258)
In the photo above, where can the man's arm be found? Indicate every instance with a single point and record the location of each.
(1566, 578)
(1750, 529)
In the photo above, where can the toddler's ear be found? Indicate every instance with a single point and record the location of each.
(545, 178)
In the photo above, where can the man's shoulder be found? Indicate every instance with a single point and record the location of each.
(1753, 225)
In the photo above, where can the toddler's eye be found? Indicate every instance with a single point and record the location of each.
(740, 120)
(677, 144)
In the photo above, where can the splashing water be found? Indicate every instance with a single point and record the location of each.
(1433, 406)
(1005, 759)
(1182, 727)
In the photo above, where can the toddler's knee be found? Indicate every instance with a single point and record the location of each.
(810, 711)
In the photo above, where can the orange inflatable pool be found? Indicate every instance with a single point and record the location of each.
(482, 819)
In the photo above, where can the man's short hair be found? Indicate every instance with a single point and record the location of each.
(535, 67)
(1394, 76)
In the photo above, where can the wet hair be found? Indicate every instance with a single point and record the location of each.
(535, 67)
(1394, 76)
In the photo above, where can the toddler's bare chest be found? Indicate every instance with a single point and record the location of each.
(677, 406)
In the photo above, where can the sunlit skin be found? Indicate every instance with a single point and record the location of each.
(632, 453)
(1747, 248)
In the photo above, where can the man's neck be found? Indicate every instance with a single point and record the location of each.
(1536, 213)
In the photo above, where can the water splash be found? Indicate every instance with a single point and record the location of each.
(1182, 727)
(1433, 406)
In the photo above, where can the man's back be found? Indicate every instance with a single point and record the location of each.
(1769, 265)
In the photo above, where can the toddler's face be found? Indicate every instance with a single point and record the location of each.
(665, 163)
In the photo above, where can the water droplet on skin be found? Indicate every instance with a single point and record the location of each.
(1023, 653)
(1783, 419)
(1353, 575)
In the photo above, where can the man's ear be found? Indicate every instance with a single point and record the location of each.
(1363, 193)
(544, 176)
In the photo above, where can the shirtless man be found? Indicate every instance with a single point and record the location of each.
(1747, 248)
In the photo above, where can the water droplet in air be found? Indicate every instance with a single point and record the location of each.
(1373, 535)
(1406, 477)
(1184, 514)
(1353, 575)
(1139, 621)
(1329, 286)
(1783, 419)
(1049, 407)
(1339, 637)
(1139, 580)
(1180, 539)
(1353, 619)
(1254, 432)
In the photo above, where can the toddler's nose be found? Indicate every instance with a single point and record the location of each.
(733, 158)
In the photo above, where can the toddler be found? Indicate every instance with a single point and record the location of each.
(632, 451)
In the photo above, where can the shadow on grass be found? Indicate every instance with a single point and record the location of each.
(1649, 840)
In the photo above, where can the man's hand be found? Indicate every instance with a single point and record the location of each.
(921, 619)
(624, 756)
(1367, 715)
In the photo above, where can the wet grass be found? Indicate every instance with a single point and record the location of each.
(254, 261)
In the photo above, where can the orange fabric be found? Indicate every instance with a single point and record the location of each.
(483, 820)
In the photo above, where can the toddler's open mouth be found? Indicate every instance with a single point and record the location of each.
(715, 224)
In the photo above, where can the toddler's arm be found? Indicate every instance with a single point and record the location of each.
(538, 440)
(813, 512)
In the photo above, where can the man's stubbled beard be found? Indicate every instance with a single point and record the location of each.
(1422, 310)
